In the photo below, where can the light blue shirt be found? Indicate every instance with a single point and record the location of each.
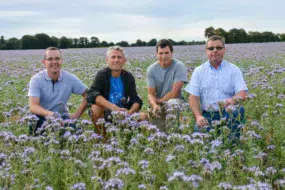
(54, 97)
(117, 91)
(213, 85)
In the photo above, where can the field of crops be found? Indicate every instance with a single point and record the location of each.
(136, 155)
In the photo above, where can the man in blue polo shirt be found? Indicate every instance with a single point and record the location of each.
(51, 88)
(215, 81)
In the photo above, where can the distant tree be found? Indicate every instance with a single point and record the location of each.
(233, 36)
(94, 42)
(254, 36)
(64, 42)
(242, 36)
(222, 32)
(181, 43)
(43, 41)
(83, 42)
(2, 42)
(111, 44)
(152, 42)
(210, 31)
(12, 43)
(54, 41)
(28, 42)
(75, 42)
(282, 37)
(104, 44)
(123, 44)
(172, 42)
(268, 37)
(139, 43)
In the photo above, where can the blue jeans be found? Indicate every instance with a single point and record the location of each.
(33, 129)
(233, 120)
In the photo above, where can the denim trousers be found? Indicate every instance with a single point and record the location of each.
(232, 119)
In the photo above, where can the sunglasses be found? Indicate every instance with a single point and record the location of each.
(217, 48)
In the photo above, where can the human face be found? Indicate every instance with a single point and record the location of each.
(215, 56)
(116, 60)
(52, 62)
(164, 57)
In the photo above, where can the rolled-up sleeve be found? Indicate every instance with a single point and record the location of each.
(193, 86)
(238, 80)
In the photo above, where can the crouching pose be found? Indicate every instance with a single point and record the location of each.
(113, 89)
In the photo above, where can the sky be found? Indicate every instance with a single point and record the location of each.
(129, 20)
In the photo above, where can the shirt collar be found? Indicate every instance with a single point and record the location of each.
(48, 78)
(222, 65)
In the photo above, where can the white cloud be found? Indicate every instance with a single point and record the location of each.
(9, 14)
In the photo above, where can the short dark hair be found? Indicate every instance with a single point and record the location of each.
(163, 43)
(52, 48)
(216, 37)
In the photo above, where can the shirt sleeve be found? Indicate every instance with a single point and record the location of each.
(193, 86)
(239, 83)
(78, 86)
(150, 77)
(181, 73)
(34, 88)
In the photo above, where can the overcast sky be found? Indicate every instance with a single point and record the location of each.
(129, 20)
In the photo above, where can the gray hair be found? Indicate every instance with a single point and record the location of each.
(216, 37)
(117, 48)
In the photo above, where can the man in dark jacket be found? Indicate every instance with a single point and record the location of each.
(113, 89)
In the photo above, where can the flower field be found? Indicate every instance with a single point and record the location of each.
(136, 155)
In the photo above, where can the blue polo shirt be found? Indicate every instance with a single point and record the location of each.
(213, 85)
(54, 95)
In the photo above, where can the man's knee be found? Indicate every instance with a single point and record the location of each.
(97, 111)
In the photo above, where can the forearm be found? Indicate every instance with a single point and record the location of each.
(240, 94)
(195, 106)
(134, 108)
(102, 102)
(152, 100)
(169, 96)
(38, 110)
(81, 108)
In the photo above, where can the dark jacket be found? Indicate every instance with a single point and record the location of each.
(101, 86)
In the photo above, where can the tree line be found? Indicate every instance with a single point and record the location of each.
(241, 36)
(42, 40)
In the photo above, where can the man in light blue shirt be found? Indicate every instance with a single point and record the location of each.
(50, 89)
(217, 81)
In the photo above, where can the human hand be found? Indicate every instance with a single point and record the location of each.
(201, 121)
(155, 110)
(229, 101)
(74, 116)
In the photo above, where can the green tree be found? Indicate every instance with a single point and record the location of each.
(254, 36)
(210, 31)
(123, 44)
(12, 43)
(152, 42)
(282, 37)
(28, 42)
(43, 41)
(64, 42)
(54, 41)
(2, 42)
(94, 42)
(222, 32)
(268, 37)
(104, 44)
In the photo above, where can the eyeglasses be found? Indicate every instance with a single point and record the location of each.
(53, 58)
(217, 48)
